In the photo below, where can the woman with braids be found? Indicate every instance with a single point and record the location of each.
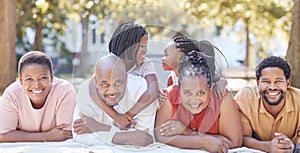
(129, 42)
(192, 116)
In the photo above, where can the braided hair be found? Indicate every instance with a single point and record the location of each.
(187, 45)
(194, 64)
(126, 39)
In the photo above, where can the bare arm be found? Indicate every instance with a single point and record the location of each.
(56, 134)
(190, 141)
(181, 141)
(230, 125)
(147, 97)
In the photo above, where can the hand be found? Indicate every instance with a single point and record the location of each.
(173, 127)
(281, 143)
(216, 143)
(85, 125)
(162, 96)
(139, 138)
(58, 134)
(124, 121)
(219, 88)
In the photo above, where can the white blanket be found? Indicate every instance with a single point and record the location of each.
(70, 146)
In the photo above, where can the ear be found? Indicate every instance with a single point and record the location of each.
(257, 82)
(51, 77)
(180, 54)
(20, 78)
(95, 80)
(288, 81)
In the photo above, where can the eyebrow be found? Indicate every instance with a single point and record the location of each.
(29, 75)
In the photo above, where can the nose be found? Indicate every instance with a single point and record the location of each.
(111, 90)
(163, 59)
(35, 83)
(145, 50)
(272, 86)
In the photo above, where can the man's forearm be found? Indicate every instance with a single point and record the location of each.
(256, 144)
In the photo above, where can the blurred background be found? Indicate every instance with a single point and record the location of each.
(76, 32)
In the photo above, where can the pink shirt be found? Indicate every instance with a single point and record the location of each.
(17, 113)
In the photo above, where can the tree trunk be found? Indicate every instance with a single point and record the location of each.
(293, 52)
(250, 59)
(38, 40)
(7, 43)
(83, 67)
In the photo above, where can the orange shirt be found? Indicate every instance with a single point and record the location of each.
(206, 121)
(255, 117)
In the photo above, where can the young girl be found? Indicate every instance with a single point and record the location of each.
(192, 116)
(37, 107)
(182, 45)
(129, 42)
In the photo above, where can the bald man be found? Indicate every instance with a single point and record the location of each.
(111, 86)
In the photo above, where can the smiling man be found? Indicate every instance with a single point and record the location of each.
(111, 86)
(270, 111)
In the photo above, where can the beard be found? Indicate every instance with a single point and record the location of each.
(274, 103)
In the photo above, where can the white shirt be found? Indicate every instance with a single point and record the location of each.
(144, 69)
(136, 86)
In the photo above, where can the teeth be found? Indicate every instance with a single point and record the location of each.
(37, 91)
(112, 97)
(273, 93)
(194, 106)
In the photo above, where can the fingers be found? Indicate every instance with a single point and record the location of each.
(285, 146)
(78, 121)
(162, 97)
(61, 126)
(130, 119)
(220, 93)
(81, 115)
(167, 129)
(68, 134)
(223, 149)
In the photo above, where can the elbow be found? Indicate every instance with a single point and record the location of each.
(158, 137)
(3, 137)
(237, 142)
(155, 90)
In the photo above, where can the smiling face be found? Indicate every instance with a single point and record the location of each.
(111, 83)
(171, 58)
(142, 50)
(194, 93)
(273, 85)
(36, 81)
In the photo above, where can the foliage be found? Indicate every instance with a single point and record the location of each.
(265, 19)
(50, 16)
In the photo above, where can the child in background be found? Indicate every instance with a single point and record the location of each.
(192, 116)
(38, 106)
(129, 42)
(182, 45)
